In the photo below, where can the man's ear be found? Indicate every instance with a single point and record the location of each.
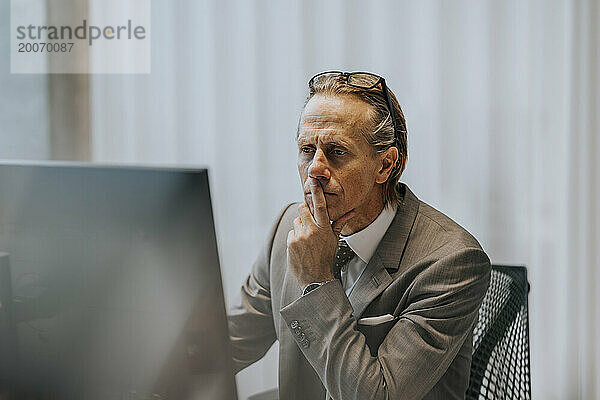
(387, 161)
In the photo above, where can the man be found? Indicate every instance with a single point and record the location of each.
(371, 293)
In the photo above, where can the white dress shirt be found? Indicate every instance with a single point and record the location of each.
(364, 243)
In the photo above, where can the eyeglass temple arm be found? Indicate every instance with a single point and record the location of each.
(390, 106)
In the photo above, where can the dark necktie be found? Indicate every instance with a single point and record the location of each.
(343, 255)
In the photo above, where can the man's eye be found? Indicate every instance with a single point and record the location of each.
(339, 152)
(306, 150)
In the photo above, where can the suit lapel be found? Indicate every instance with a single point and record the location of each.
(373, 281)
(375, 278)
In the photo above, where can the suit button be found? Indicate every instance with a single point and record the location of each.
(305, 343)
(297, 330)
(294, 324)
(301, 336)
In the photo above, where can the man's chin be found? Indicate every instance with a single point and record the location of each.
(335, 214)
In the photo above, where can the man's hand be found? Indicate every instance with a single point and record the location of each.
(312, 243)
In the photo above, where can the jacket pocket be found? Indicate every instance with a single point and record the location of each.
(375, 334)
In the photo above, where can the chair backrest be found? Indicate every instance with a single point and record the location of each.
(500, 365)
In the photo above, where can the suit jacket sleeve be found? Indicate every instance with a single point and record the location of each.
(250, 320)
(427, 335)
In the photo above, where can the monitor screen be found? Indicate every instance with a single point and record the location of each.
(115, 288)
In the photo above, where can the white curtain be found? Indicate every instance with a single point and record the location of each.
(502, 107)
(24, 114)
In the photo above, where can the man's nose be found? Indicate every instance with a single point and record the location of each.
(319, 167)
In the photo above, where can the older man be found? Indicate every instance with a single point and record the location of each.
(371, 293)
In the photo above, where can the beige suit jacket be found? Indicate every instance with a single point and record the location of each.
(427, 272)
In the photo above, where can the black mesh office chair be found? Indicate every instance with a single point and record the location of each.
(500, 366)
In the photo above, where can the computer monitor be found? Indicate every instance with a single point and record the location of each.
(115, 289)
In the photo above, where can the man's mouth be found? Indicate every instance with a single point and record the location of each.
(325, 193)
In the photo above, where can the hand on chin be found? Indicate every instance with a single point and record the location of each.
(332, 209)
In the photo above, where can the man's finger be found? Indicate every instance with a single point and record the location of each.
(298, 226)
(305, 216)
(338, 225)
(319, 203)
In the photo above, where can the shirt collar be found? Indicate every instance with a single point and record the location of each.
(365, 242)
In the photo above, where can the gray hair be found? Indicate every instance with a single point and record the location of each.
(379, 130)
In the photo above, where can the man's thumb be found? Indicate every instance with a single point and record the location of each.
(338, 225)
